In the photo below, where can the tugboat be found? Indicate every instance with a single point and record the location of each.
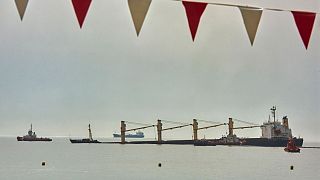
(31, 136)
(291, 147)
(86, 140)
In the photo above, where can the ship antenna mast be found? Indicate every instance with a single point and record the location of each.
(273, 111)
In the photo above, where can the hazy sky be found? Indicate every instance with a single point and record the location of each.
(60, 78)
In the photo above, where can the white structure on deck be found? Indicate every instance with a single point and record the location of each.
(275, 129)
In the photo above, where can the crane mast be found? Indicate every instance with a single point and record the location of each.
(90, 133)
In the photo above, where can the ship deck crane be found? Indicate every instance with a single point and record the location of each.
(196, 128)
(231, 128)
(124, 130)
(160, 129)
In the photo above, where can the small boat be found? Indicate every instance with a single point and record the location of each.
(86, 140)
(138, 134)
(291, 147)
(31, 136)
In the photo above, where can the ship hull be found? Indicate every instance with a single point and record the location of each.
(204, 143)
(273, 142)
(262, 142)
(33, 139)
(292, 150)
(84, 141)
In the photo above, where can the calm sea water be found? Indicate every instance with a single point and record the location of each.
(66, 161)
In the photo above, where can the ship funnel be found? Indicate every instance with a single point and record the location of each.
(285, 121)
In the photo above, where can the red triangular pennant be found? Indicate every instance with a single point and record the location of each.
(194, 11)
(81, 8)
(304, 22)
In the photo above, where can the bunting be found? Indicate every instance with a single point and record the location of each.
(304, 22)
(194, 11)
(251, 18)
(251, 15)
(138, 10)
(81, 8)
(21, 6)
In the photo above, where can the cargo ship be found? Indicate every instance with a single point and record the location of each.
(274, 134)
(138, 134)
(85, 140)
(31, 136)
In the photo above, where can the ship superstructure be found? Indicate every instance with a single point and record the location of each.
(274, 133)
(274, 129)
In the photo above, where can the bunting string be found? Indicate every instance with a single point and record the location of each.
(246, 6)
(251, 15)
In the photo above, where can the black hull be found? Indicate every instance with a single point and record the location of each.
(292, 151)
(263, 142)
(204, 143)
(273, 142)
(84, 141)
(33, 139)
